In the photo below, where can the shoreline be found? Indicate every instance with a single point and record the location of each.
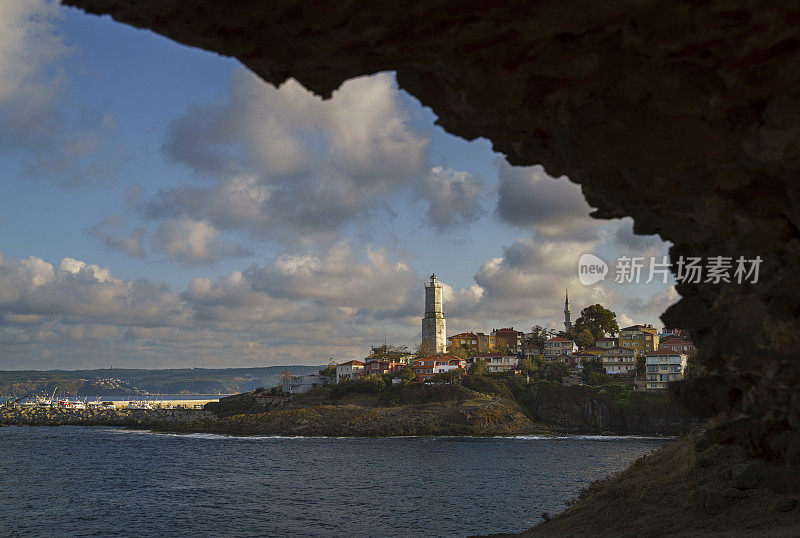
(519, 437)
(196, 421)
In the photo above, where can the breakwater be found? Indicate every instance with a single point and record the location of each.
(161, 419)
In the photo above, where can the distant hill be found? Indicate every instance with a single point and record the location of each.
(116, 381)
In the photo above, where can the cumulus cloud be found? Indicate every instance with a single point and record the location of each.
(111, 231)
(555, 207)
(454, 198)
(630, 244)
(194, 242)
(70, 145)
(78, 292)
(285, 163)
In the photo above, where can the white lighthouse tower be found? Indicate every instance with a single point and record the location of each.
(433, 324)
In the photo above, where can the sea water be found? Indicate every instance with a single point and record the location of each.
(71, 480)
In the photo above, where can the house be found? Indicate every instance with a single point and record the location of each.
(641, 338)
(464, 340)
(485, 342)
(576, 360)
(593, 350)
(570, 360)
(677, 344)
(606, 343)
(349, 370)
(508, 338)
(497, 362)
(427, 367)
(618, 360)
(557, 345)
(663, 366)
(401, 355)
(377, 366)
(298, 384)
(529, 349)
(676, 333)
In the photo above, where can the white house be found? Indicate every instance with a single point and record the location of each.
(497, 362)
(557, 345)
(298, 384)
(349, 370)
(663, 366)
(618, 360)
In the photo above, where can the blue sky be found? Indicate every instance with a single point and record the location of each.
(163, 207)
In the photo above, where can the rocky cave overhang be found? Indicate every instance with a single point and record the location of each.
(682, 115)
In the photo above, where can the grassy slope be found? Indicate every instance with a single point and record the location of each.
(401, 410)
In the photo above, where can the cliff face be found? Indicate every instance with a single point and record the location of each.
(584, 409)
(479, 416)
(688, 488)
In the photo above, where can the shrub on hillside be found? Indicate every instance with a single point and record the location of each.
(367, 385)
(419, 393)
(486, 385)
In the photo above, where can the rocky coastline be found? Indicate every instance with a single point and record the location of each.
(411, 411)
(480, 416)
(160, 419)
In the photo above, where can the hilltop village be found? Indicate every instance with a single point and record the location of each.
(593, 350)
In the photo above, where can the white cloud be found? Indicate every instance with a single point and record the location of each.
(77, 292)
(454, 197)
(194, 242)
(69, 145)
(286, 164)
(111, 232)
(555, 207)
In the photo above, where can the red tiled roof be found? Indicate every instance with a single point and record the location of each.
(463, 335)
(351, 362)
(558, 339)
(664, 351)
(439, 356)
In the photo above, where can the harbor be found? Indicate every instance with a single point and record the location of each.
(169, 401)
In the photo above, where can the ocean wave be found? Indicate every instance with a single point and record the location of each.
(532, 437)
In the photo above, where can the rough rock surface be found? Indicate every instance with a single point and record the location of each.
(683, 115)
(164, 419)
(669, 493)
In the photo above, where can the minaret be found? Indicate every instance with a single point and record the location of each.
(567, 322)
(433, 324)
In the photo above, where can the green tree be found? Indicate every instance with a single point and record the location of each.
(407, 373)
(584, 339)
(538, 336)
(478, 367)
(329, 371)
(555, 371)
(450, 376)
(690, 372)
(532, 366)
(640, 366)
(526, 366)
(594, 373)
(598, 320)
(462, 351)
(423, 350)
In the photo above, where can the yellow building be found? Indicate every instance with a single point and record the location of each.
(465, 340)
(640, 338)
